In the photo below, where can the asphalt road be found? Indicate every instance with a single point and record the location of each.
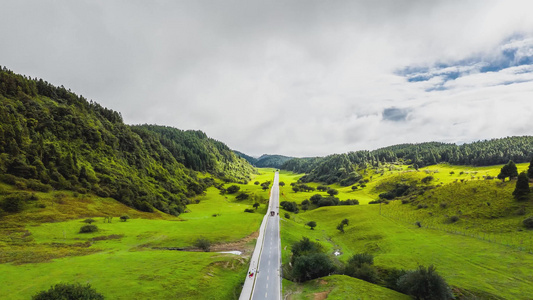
(268, 281)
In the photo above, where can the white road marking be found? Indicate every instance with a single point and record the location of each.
(266, 295)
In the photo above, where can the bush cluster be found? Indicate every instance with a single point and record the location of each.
(309, 261)
(69, 291)
(528, 223)
(88, 229)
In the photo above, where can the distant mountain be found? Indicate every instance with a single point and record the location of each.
(271, 161)
(265, 160)
(50, 137)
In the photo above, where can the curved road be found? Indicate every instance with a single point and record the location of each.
(268, 281)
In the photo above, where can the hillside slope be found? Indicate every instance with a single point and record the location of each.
(481, 153)
(50, 137)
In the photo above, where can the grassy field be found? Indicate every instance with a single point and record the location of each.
(339, 287)
(126, 260)
(472, 265)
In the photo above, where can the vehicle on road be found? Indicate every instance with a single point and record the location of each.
(272, 213)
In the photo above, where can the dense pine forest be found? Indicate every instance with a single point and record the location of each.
(51, 138)
(342, 167)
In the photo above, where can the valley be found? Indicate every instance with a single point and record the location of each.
(146, 211)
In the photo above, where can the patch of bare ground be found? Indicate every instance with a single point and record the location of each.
(242, 245)
(321, 295)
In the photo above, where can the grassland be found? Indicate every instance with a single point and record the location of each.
(472, 265)
(41, 246)
(340, 287)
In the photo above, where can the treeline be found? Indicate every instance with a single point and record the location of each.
(52, 138)
(339, 167)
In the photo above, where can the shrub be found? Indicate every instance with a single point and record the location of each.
(521, 211)
(364, 272)
(311, 224)
(242, 196)
(453, 219)
(427, 179)
(88, 229)
(287, 216)
(13, 203)
(289, 206)
(528, 223)
(249, 210)
(424, 284)
(361, 258)
(340, 227)
(332, 192)
(233, 189)
(315, 198)
(203, 244)
(329, 201)
(36, 185)
(305, 247)
(312, 266)
(391, 278)
(69, 291)
(443, 205)
(349, 202)
(88, 221)
(124, 218)
(322, 188)
(360, 266)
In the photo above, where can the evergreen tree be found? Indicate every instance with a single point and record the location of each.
(521, 190)
(530, 170)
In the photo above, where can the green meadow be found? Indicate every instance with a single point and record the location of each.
(42, 246)
(474, 266)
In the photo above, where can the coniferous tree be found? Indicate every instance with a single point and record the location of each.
(521, 190)
(530, 170)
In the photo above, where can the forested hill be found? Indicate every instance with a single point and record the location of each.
(266, 160)
(50, 137)
(482, 153)
(195, 150)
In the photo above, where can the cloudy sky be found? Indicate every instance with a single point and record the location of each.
(298, 78)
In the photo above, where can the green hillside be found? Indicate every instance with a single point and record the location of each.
(485, 254)
(52, 138)
(339, 167)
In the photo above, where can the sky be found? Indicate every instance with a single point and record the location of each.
(293, 77)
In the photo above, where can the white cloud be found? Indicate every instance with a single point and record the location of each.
(290, 77)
